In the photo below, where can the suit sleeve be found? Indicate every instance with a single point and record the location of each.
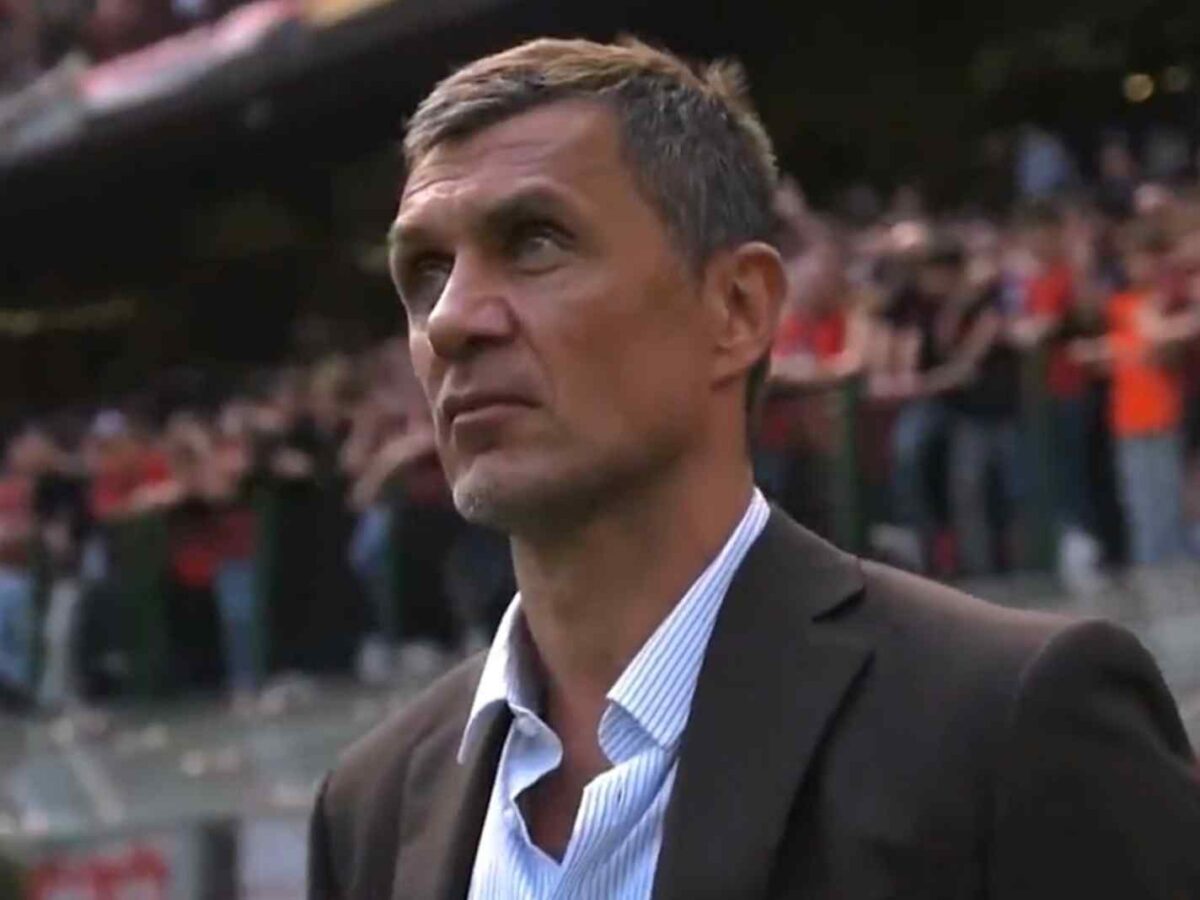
(1097, 793)
(321, 881)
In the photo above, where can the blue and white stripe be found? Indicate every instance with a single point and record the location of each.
(613, 850)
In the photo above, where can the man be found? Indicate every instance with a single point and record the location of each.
(691, 697)
(915, 364)
(984, 411)
(819, 347)
(1142, 349)
(1056, 314)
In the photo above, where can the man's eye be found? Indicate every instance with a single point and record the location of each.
(537, 248)
(422, 282)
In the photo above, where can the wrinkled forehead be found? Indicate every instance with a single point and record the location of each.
(570, 146)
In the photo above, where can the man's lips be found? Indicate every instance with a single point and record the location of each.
(473, 405)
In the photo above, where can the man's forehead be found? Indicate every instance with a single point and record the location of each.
(568, 142)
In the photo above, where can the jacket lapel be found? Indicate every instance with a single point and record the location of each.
(445, 804)
(773, 677)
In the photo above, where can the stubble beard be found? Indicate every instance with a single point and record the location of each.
(554, 504)
(518, 505)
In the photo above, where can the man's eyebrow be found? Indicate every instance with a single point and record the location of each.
(535, 201)
(402, 237)
(394, 234)
(497, 216)
(400, 233)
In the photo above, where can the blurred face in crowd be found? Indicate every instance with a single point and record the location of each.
(117, 455)
(553, 323)
(1117, 163)
(1045, 243)
(184, 428)
(287, 398)
(939, 280)
(235, 421)
(1146, 268)
(325, 400)
(114, 455)
(30, 454)
(824, 282)
(187, 465)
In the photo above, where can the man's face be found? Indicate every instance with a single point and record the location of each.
(1145, 268)
(937, 281)
(113, 455)
(554, 326)
(1045, 243)
(30, 454)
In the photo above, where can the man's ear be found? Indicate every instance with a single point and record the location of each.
(744, 291)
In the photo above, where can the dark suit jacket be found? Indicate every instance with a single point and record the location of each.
(856, 733)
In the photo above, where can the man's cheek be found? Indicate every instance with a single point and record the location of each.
(423, 363)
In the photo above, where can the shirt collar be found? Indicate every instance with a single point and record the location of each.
(505, 679)
(657, 686)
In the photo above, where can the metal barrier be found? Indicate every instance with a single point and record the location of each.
(1040, 543)
(267, 563)
(139, 551)
(17, 629)
(848, 523)
(849, 502)
(813, 464)
(139, 583)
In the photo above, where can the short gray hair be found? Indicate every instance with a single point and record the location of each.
(697, 149)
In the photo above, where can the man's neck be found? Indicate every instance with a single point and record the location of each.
(592, 599)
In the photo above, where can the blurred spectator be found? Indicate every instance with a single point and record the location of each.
(375, 449)
(1146, 414)
(915, 364)
(424, 523)
(1118, 177)
(61, 522)
(984, 441)
(129, 474)
(1166, 153)
(130, 478)
(16, 582)
(1054, 315)
(1044, 166)
(315, 610)
(60, 500)
(819, 345)
(235, 576)
(194, 547)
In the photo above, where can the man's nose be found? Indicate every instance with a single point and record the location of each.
(471, 311)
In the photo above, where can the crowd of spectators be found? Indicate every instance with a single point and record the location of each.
(967, 373)
(303, 525)
(1049, 355)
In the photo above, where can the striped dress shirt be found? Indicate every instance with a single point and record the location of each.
(613, 850)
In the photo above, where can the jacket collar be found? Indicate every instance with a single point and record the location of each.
(779, 665)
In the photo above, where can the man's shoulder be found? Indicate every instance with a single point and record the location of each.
(898, 607)
(438, 713)
(933, 641)
(916, 609)
(361, 806)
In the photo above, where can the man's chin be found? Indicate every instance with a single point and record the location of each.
(491, 504)
(510, 501)
(546, 497)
